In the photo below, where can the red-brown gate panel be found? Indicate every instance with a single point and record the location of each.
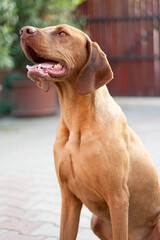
(128, 31)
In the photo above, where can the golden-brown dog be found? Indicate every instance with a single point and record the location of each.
(100, 162)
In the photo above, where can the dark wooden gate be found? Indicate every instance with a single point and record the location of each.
(128, 31)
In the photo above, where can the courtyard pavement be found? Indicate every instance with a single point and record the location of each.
(30, 202)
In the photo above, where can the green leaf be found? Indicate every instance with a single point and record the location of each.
(17, 13)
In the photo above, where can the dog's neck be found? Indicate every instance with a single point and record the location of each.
(78, 111)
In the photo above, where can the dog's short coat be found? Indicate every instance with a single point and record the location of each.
(99, 160)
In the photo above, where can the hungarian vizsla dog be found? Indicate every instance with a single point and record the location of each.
(100, 162)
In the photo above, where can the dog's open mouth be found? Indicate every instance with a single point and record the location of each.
(44, 68)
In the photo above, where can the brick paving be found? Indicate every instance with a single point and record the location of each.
(30, 201)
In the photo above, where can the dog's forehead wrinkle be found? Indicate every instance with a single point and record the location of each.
(58, 28)
(49, 29)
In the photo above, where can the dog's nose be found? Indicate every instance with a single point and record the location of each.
(27, 31)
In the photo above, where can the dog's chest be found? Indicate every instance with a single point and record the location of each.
(81, 170)
(79, 164)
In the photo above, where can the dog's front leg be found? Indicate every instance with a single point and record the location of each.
(70, 213)
(118, 206)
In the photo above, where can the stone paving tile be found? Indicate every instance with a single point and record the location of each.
(13, 202)
(46, 190)
(47, 229)
(37, 204)
(84, 222)
(47, 217)
(86, 234)
(44, 183)
(46, 206)
(14, 194)
(2, 232)
(3, 218)
(23, 227)
(16, 236)
(15, 187)
(2, 207)
(52, 238)
(38, 197)
(18, 213)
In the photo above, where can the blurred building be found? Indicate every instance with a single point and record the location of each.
(128, 31)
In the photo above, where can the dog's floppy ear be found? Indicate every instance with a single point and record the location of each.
(96, 72)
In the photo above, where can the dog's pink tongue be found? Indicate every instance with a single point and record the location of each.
(44, 86)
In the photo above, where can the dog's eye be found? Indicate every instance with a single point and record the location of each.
(62, 33)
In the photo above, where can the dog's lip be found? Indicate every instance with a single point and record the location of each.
(47, 68)
(38, 59)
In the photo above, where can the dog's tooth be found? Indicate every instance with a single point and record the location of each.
(39, 66)
(58, 65)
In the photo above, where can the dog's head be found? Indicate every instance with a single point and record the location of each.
(64, 53)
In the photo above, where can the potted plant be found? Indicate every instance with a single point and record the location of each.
(28, 99)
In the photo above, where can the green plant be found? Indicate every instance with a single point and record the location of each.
(17, 76)
(6, 107)
(8, 20)
(18, 13)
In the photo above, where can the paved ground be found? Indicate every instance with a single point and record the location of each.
(29, 193)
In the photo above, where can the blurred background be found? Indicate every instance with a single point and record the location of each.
(127, 31)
